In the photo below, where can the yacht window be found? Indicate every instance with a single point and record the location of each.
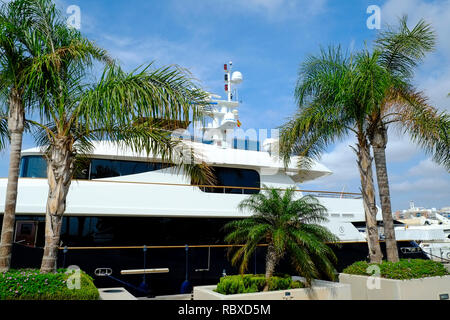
(232, 177)
(114, 168)
(73, 226)
(33, 167)
(36, 167)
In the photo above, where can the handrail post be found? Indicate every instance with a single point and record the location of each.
(144, 285)
(186, 286)
(64, 256)
(256, 249)
(145, 260)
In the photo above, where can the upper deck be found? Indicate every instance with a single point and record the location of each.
(267, 164)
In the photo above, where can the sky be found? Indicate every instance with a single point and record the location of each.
(267, 40)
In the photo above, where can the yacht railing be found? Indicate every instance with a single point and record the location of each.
(206, 246)
(228, 189)
(245, 190)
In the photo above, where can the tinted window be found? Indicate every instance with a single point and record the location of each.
(113, 168)
(232, 177)
(33, 167)
(36, 167)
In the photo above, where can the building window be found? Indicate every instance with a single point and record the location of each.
(233, 177)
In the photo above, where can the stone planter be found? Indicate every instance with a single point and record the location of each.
(369, 288)
(321, 290)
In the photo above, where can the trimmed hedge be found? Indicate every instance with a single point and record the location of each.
(32, 285)
(403, 270)
(255, 283)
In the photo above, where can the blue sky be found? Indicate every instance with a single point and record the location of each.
(267, 40)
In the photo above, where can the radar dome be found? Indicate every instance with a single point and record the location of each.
(237, 77)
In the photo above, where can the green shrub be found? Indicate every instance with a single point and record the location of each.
(32, 285)
(277, 283)
(255, 283)
(297, 285)
(403, 270)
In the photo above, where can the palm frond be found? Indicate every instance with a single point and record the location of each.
(4, 133)
(402, 48)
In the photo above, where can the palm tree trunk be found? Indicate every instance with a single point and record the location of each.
(370, 208)
(16, 121)
(59, 170)
(379, 143)
(271, 262)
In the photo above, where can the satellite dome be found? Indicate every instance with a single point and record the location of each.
(237, 77)
(229, 121)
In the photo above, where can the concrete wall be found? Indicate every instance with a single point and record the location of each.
(415, 289)
(321, 290)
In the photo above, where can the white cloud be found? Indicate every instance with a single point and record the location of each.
(427, 188)
(426, 182)
(428, 168)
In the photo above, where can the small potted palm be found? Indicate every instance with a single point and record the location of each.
(291, 228)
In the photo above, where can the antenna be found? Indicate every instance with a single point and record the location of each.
(228, 68)
(232, 78)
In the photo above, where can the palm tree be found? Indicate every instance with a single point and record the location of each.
(400, 52)
(75, 113)
(14, 59)
(334, 94)
(290, 227)
(21, 39)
